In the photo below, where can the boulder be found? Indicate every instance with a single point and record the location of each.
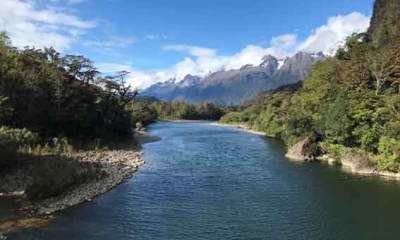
(358, 162)
(306, 150)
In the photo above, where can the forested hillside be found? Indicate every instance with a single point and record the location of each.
(350, 102)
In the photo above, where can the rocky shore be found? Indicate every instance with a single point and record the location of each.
(354, 162)
(116, 166)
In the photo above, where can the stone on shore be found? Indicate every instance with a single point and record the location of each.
(359, 163)
(305, 150)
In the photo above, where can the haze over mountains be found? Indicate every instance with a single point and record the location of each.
(233, 87)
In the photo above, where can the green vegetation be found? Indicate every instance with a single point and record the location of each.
(350, 101)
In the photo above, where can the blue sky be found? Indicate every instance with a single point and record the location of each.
(160, 39)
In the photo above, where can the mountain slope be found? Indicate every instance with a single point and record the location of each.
(296, 68)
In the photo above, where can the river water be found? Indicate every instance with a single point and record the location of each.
(213, 182)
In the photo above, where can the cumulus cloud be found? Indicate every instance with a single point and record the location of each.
(28, 25)
(283, 45)
(338, 28)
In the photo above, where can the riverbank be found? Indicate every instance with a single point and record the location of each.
(112, 168)
(240, 126)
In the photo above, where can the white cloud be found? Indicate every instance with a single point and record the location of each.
(337, 28)
(152, 37)
(193, 50)
(28, 25)
(283, 45)
(156, 37)
(112, 42)
(75, 1)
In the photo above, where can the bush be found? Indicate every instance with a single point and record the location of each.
(389, 154)
(13, 139)
(336, 151)
(16, 138)
(53, 176)
(369, 141)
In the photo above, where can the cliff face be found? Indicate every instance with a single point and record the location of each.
(385, 21)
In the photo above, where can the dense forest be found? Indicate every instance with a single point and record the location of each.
(350, 102)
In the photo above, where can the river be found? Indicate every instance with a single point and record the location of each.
(213, 182)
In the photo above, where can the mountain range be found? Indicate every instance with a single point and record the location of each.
(232, 87)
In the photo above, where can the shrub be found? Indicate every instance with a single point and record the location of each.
(389, 154)
(53, 176)
(15, 138)
(12, 139)
(336, 151)
(369, 141)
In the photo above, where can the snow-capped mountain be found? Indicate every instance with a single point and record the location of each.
(233, 87)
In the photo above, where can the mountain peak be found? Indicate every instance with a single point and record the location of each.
(189, 81)
(270, 64)
(267, 60)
